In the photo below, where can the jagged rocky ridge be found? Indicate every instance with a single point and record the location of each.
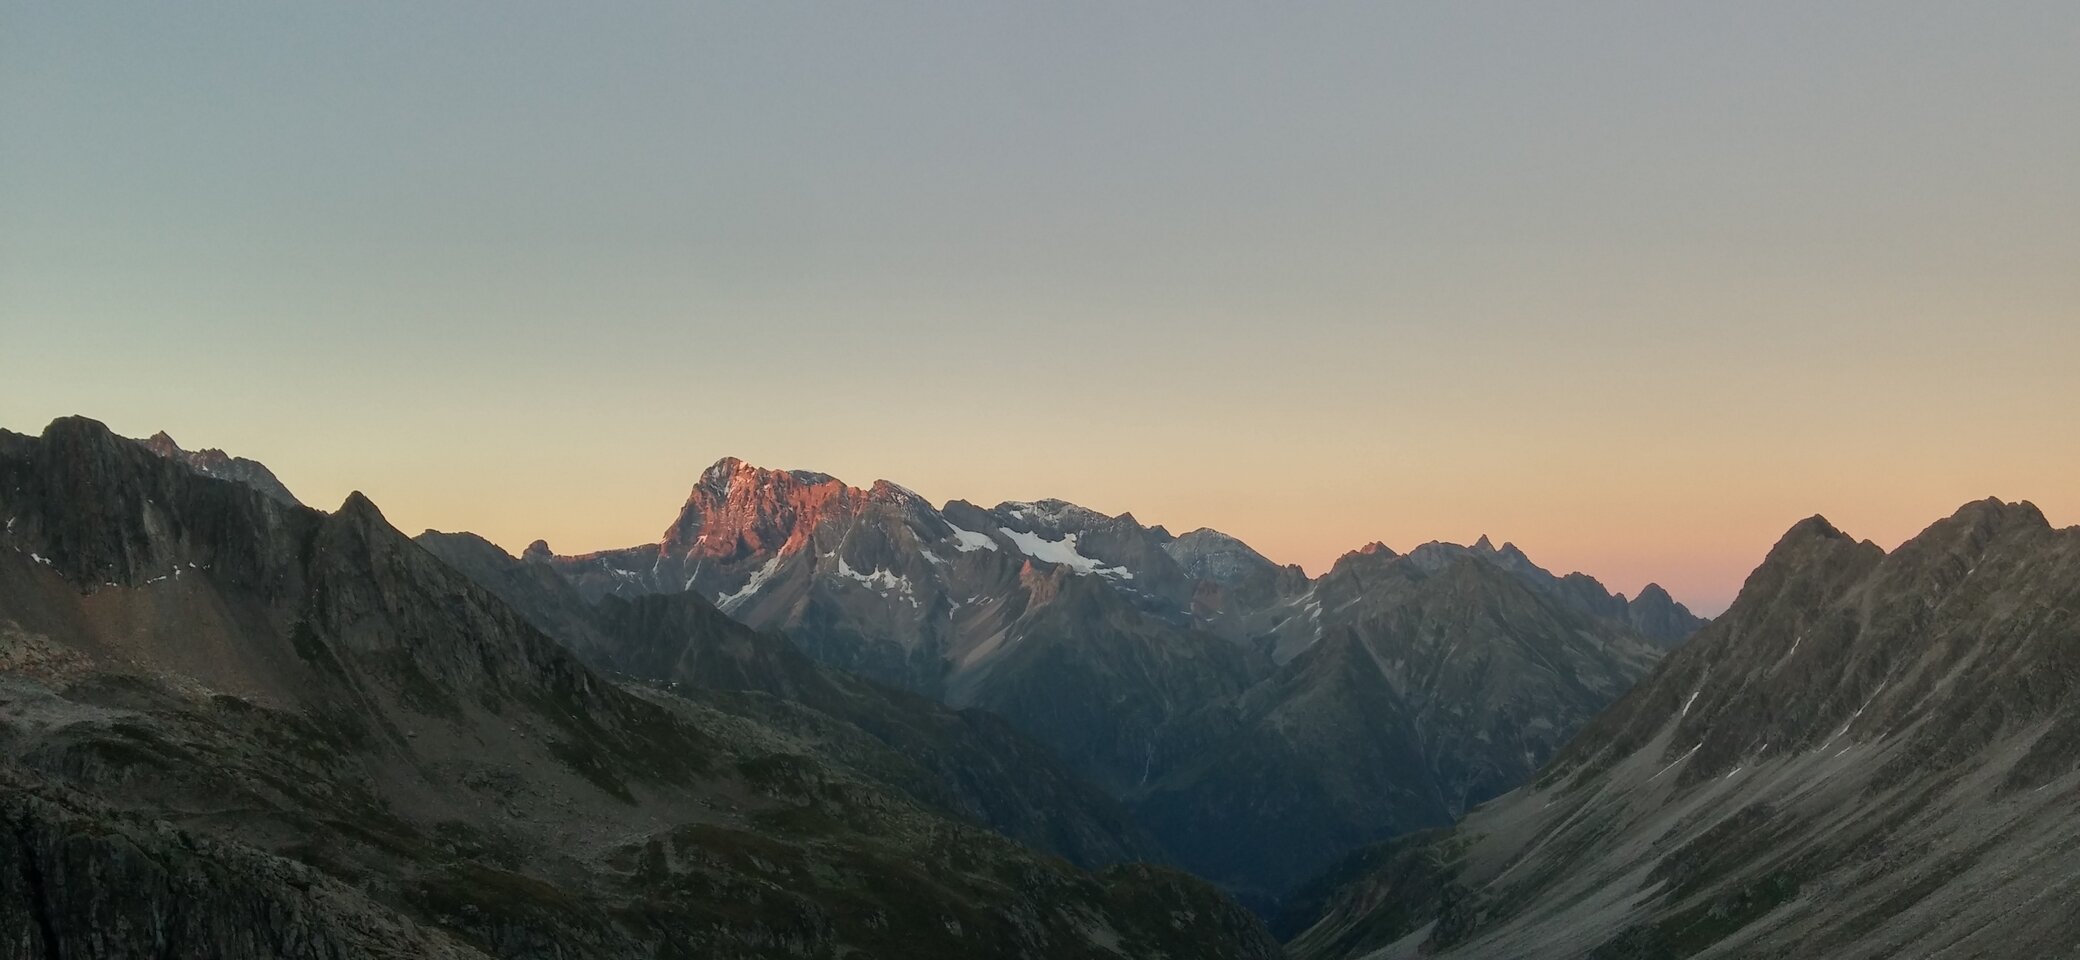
(1868, 755)
(234, 727)
(1260, 722)
(216, 463)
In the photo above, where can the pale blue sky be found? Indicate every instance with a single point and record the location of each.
(1634, 284)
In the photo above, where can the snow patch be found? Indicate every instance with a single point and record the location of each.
(968, 541)
(751, 586)
(1852, 717)
(1062, 551)
(1672, 763)
(881, 578)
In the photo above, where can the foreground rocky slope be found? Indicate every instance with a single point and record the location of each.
(234, 727)
(1869, 755)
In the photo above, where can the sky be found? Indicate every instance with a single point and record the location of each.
(1633, 285)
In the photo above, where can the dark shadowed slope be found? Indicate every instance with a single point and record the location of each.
(1868, 755)
(1430, 688)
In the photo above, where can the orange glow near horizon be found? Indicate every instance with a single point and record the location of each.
(1636, 291)
(1699, 544)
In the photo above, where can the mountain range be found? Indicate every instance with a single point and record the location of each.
(1189, 677)
(816, 720)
